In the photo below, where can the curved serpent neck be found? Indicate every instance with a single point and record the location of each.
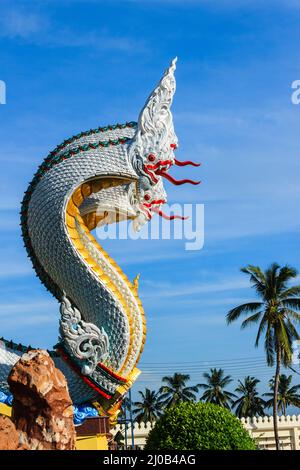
(66, 256)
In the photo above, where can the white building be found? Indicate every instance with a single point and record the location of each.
(261, 429)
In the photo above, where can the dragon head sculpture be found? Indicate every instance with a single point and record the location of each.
(151, 152)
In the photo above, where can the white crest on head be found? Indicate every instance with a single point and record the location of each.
(155, 130)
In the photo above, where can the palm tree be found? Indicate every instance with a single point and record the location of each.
(286, 396)
(249, 403)
(124, 409)
(149, 408)
(276, 313)
(214, 388)
(176, 390)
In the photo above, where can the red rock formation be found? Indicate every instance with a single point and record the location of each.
(42, 409)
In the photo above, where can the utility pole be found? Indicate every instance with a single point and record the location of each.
(127, 408)
(131, 420)
(126, 442)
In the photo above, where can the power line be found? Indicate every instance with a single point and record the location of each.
(237, 368)
(260, 375)
(243, 359)
(204, 367)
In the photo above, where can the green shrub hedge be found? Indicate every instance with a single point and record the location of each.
(199, 426)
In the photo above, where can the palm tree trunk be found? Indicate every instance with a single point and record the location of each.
(275, 399)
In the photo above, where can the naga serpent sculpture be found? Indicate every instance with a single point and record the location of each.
(97, 177)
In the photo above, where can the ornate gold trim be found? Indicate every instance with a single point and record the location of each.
(87, 223)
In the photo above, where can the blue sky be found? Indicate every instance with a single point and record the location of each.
(72, 65)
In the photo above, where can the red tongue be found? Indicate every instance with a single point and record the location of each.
(174, 181)
(187, 162)
(167, 217)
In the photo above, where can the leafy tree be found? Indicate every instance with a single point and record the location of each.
(249, 404)
(276, 313)
(149, 408)
(287, 395)
(198, 426)
(176, 390)
(214, 388)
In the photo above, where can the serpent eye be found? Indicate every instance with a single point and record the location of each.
(147, 197)
(151, 157)
(173, 146)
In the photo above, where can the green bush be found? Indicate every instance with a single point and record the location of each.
(199, 426)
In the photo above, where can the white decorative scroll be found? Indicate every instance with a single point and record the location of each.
(83, 341)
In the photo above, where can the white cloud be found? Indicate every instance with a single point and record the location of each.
(197, 320)
(13, 259)
(18, 23)
(26, 313)
(33, 320)
(10, 270)
(18, 309)
(135, 258)
(209, 302)
(179, 290)
(96, 39)
(34, 28)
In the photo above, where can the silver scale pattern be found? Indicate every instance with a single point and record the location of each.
(131, 303)
(99, 137)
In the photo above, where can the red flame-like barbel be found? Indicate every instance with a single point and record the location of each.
(174, 181)
(168, 217)
(187, 162)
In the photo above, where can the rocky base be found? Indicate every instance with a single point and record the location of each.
(42, 413)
